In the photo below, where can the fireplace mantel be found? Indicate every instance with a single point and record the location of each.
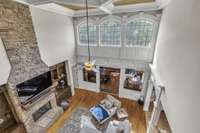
(40, 96)
(36, 101)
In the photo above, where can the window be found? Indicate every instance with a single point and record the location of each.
(134, 79)
(89, 76)
(129, 71)
(110, 33)
(140, 32)
(82, 34)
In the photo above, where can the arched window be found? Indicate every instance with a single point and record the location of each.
(110, 33)
(82, 34)
(140, 32)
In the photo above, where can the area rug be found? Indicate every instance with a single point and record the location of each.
(73, 124)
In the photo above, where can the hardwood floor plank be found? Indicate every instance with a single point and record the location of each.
(88, 99)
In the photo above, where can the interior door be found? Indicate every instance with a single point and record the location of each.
(109, 80)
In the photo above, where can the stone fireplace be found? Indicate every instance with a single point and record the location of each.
(17, 33)
(26, 114)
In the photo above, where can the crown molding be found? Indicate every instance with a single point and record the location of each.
(52, 7)
(22, 2)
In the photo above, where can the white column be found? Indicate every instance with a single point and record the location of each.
(148, 96)
(69, 66)
(98, 79)
(121, 82)
(156, 113)
(75, 76)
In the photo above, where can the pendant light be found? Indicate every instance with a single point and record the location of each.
(88, 65)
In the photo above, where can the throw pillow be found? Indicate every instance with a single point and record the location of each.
(108, 104)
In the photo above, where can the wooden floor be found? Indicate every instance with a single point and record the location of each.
(88, 99)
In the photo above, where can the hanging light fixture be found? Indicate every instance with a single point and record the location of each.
(88, 65)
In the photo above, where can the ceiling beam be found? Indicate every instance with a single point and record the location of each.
(39, 2)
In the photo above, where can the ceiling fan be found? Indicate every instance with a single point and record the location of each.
(89, 65)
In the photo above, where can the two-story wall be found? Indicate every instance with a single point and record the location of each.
(121, 57)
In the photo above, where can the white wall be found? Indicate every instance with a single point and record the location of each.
(139, 53)
(55, 36)
(135, 53)
(177, 62)
(5, 66)
(115, 63)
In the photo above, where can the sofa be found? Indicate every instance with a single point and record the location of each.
(105, 109)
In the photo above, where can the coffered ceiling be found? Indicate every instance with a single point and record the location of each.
(80, 4)
(76, 7)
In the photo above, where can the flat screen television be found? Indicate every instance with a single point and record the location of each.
(33, 87)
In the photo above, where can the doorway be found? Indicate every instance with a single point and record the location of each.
(109, 80)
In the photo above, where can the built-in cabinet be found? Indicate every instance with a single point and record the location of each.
(59, 77)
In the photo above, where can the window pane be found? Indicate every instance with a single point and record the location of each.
(134, 80)
(110, 33)
(82, 31)
(139, 32)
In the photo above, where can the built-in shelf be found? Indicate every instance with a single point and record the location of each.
(59, 76)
